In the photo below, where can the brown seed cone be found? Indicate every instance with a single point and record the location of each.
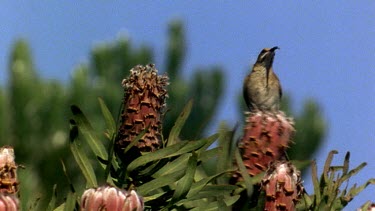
(266, 136)
(144, 101)
(282, 185)
(8, 171)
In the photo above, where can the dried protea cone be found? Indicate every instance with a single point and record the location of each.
(144, 102)
(110, 198)
(266, 137)
(282, 185)
(8, 171)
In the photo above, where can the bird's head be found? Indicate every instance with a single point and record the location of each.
(266, 56)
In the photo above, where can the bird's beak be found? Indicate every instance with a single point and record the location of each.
(268, 70)
(274, 48)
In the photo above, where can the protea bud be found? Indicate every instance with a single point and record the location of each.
(110, 198)
(8, 202)
(266, 136)
(144, 102)
(282, 185)
(8, 171)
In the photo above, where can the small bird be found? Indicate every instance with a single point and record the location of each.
(261, 88)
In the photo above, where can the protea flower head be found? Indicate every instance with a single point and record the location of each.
(9, 202)
(266, 137)
(282, 185)
(110, 198)
(8, 171)
(144, 102)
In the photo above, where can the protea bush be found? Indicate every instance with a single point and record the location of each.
(140, 169)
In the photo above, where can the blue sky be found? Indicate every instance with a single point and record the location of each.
(327, 53)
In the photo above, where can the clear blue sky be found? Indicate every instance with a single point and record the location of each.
(327, 53)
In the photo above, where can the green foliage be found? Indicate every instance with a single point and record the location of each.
(184, 175)
(170, 178)
(328, 191)
(34, 111)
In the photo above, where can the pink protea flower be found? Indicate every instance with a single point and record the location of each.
(266, 137)
(283, 186)
(8, 202)
(110, 198)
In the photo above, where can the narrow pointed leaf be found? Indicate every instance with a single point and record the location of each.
(346, 163)
(315, 180)
(353, 171)
(192, 146)
(356, 190)
(52, 203)
(157, 155)
(206, 155)
(210, 141)
(230, 200)
(184, 184)
(109, 121)
(176, 129)
(60, 208)
(176, 165)
(244, 173)
(153, 197)
(88, 132)
(136, 139)
(199, 185)
(70, 202)
(83, 163)
(328, 163)
(144, 189)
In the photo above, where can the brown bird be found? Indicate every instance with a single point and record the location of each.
(261, 88)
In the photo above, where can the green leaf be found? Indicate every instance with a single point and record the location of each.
(198, 186)
(315, 180)
(109, 121)
(157, 155)
(60, 208)
(356, 190)
(210, 141)
(328, 164)
(191, 146)
(207, 155)
(136, 139)
(145, 189)
(88, 132)
(176, 129)
(83, 162)
(176, 165)
(230, 200)
(244, 173)
(353, 171)
(346, 163)
(52, 203)
(70, 203)
(152, 197)
(184, 184)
